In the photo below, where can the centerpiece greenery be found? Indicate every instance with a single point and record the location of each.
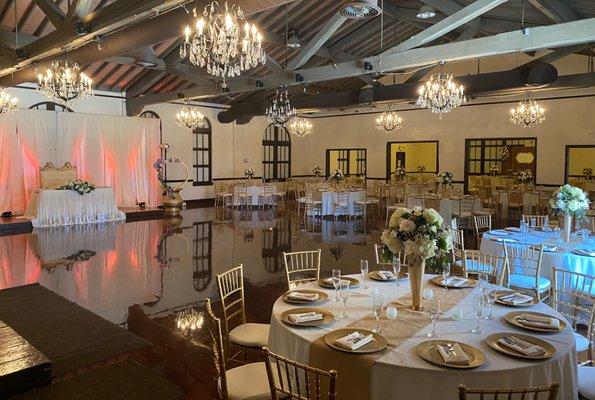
(569, 201)
(79, 186)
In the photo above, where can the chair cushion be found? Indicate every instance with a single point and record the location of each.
(248, 382)
(582, 343)
(528, 282)
(250, 335)
(586, 382)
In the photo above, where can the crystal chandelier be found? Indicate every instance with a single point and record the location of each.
(527, 113)
(280, 111)
(8, 103)
(440, 94)
(64, 83)
(299, 126)
(219, 45)
(389, 121)
(190, 117)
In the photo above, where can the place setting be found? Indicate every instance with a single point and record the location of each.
(307, 317)
(513, 298)
(521, 346)
(304, 296)
(535, 321)
(451, 354)
(453, 282)
(358, 341)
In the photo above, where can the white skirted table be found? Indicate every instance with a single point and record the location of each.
(253, 191)
(445, 206)
(398, 372)
(66, 207)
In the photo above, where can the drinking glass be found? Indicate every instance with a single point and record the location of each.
(363, 266)
(478, 312)
(489, 303)
(377, 302)
(434, 311)
(396, 269)
(344, 296)
(483, 283)
(336, 281)
(445, 271)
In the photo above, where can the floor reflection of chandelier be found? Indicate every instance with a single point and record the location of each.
(64, 83)
(220, 44)
(441, 94)
(190, 117)
(8, 103)
(280, 111)
(189, 321)
(527, 113)
(300, 127)
(389, 121)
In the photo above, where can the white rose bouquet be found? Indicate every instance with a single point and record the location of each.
(400, 172)
(569, 200)
(317, 171)
(525, 176)
(249, 173)
(79, 186)
(444, 178)
(337, 175)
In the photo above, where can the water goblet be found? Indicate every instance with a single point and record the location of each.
(478, 312)
(396, 269)
(445, 271)
(344, 296)
(489, 303)
(377, 302)
(391, 312)
(363, 266)
(336, 280)
(434, 311)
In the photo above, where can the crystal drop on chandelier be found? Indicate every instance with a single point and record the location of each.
(8, 104)
(280, 111)
(389, 121)
(527, 113)
(300, 127)
(64, 83)
(441, 94)
(220, 45)
(189, 117)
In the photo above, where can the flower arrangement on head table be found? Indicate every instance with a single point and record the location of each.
(79, 186)
(337, 175)
(569, 200)
(525, 176)
(249, 173)
(418, 232)
(444, 178)
(317, 171)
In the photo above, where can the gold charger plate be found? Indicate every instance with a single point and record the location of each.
(378, 344)
(429, 351)
(327, 316)
(492, 341)
(496, 294)
(352, 282)
(373, 275)
(439, 280)
(514, 316)
(322, 296)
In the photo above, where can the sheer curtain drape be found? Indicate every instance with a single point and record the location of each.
(107, 151)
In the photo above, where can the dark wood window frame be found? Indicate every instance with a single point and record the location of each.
(202, 137)
(347, 160)
(271, 144)
(388, 160)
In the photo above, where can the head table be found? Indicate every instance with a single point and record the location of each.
(398, 372)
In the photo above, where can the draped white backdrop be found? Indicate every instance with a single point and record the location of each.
(107, 150)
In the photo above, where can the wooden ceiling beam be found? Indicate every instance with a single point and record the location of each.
(556, 10)
(52, 11)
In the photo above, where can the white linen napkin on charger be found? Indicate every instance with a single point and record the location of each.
(522, 346)
(453, 355)
(455, 281)
(305, 317)
(515, 298)
(303, 296)
(540, 322)
(330, 281)
(386, 275)
(354, 341)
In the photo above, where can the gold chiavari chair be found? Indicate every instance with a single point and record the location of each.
(265, 198)
(222, 195)
(539, 220)
(246, 382)
(245, 335)
(524, 271)
(532, 393)
(397, 200)
(291, 380)
(475, 263)
(302, 267)
(371, 202)
(515, 203)
(465, 210)
(481, 224)
(401, 256)
(313, 204)
(458, 251)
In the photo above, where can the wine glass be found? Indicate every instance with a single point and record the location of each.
(434, 311)
(483, 283)
(478, 312)
(396, 269)
(336, 281)
(363, 266)
(343, 296)
(377, 302)
(489, 302)
(445, 271)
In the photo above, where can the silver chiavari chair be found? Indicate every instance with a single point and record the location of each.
(481, 224)
(537, 221)
(524, 271)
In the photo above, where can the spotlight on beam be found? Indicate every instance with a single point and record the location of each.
(368, 66)
(299, 78)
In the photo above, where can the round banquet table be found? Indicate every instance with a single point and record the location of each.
(399, 373)
(562, 258)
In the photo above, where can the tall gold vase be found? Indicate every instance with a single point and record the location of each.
(417, 269)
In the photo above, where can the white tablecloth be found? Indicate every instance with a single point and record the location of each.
(401, 374)
(445, 207)
(564, 258)
(329, 198)
(67, 207)
(530, 200)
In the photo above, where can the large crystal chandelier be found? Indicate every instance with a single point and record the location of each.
(527, 113)
(190, 117)
(280, 111)
(389, 121)
(219, 44)
(299, 126)
(64, 83)
(8, 103)
(440, 94)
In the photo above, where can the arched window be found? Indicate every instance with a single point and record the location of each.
(202, 155)
(50, 106)
(276, 154)
(149, 114)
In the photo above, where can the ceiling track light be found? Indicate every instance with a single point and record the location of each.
(293, 39)
(426, 12)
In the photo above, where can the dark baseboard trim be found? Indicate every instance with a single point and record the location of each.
(200, 203)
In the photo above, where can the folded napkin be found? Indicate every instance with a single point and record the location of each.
(538, 321)
(453, 354)
(455, 281)
(585, 252)
(303, 296)
(504, 240)
(386, 275)
(515, 298)
(522, 346)
(305, 317)
(498, 232)
(549, 248)
(354, 341)
(512, 229)
(341, 282)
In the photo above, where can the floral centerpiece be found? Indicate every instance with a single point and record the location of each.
(444, 178)
(569, 201)
(588, 172)
(249, 173)
(337, 176)
(400, 173)
(170, 196)
(317, 171)
(421, 235)
(525, 176)
(79, 186)
(159, 166)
